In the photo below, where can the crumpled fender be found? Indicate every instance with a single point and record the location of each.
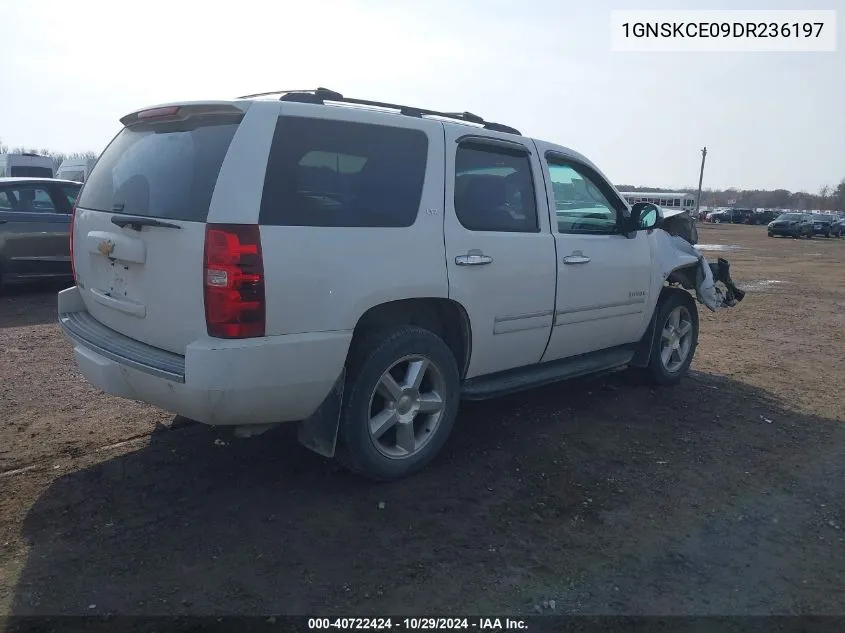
(673, 248)
(673, 252)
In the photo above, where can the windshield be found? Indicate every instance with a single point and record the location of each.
(792, 217)
(79, 176)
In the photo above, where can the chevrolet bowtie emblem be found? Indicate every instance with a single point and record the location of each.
(106, 248)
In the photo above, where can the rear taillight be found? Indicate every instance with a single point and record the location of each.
(233, 280)
(72, 223)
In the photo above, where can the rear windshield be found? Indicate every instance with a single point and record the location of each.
(30, 172)
(162, 170)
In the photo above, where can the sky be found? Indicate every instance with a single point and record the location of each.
(769, 120)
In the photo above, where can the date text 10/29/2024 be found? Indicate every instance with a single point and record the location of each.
(417, 624)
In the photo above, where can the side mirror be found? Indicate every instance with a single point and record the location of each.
(644, 216)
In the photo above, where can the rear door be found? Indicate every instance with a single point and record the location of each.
(500, 255)
(34, 230)
(141, 217)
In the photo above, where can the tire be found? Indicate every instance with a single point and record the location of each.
(659, 370)
(394, 353)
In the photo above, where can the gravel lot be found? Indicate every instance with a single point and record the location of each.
(724, 495)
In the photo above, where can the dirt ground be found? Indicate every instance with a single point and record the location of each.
(724, 495)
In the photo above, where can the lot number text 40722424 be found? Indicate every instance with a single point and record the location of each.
(418, 624)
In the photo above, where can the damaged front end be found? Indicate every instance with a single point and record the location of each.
(683, 264)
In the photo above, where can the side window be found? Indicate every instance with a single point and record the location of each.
(336, 173)
(494, 190)
(30, 199)
(580, 205)
(71, 193)
(6, 201)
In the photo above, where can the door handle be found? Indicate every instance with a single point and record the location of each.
(576, 258)
(473, 258)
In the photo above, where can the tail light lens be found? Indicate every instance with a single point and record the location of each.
(233, 279)
(72, 223)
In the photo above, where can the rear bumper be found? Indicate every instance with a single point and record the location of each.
(217, 381)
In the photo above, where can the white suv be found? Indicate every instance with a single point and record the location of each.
(359, 267)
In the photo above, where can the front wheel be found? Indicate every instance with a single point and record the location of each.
(675, 339)
(400, 402)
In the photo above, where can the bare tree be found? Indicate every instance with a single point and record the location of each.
(839, 196)
(824, 194)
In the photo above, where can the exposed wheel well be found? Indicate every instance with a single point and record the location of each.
(685, 276)
(444, 317)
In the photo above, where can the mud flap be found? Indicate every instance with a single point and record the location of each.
(319, 431)
(642, 354)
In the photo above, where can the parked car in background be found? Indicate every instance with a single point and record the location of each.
(210, 280)
(822, 224)
(35, 216)
(26, 166)
(837, 227)
(719, 217)
(743, 216)
(76, 169)
(792, 225)
(734, 216)
(764, 217)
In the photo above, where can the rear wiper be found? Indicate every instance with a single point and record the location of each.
(137, 222)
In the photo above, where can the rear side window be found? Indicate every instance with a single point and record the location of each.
(162, 170)
(336, 173)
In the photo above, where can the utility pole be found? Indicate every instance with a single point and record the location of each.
(700, 180)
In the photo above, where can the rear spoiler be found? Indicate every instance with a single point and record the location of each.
(180, 112)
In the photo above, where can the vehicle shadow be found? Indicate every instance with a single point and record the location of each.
(30, 304)
(607, 495)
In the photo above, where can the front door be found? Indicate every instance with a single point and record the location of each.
(604, 276)
(499, 249)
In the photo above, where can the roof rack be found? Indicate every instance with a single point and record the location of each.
(321, 95)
